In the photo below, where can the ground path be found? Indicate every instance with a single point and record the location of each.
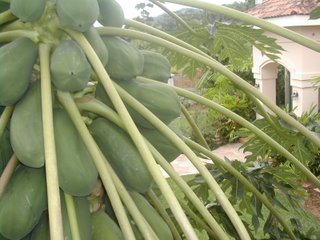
(232, 151)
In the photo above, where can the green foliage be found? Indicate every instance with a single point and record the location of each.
(226, 94)
(289, 138)
(280, 185)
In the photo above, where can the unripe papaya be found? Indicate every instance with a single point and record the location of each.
(97, 44)
(104, 228)
(69, 67)
(160, 99)
(111, 13)
(156, 66)
(16, 63)
(4, 7)
(156, 222)
(26, 129)
(28, 11)
(42, 230)
(128, 164)
(168, 150)
(125, 61)
(78, 15)
(76, 169)
(23, 202)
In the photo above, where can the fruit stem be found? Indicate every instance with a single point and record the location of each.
(7, 173)
(11, 35)
(135, 134)
(6, 16)
(53, 191)
(72, 217)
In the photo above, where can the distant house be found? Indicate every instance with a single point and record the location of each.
(300, 63)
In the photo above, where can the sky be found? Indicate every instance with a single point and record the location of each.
(128, 6)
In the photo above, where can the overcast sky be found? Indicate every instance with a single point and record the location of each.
(128, 6)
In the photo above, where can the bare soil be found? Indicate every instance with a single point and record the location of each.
(312, 203)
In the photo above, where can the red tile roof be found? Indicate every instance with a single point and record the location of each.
(280, 8)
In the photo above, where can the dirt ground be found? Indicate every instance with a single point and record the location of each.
(312, 204)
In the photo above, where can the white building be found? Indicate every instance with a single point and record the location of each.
(301, 63)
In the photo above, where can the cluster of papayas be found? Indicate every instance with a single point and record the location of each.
(23, 206)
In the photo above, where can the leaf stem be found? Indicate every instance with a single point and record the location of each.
(5, 118)
(244, 181)
(95, 106)
(7, 173)
(135, 134)
(69, 105)
(53, 192)
(246, 18)
(72, 217)
(194, 127)
(158, 205)
(242, 84)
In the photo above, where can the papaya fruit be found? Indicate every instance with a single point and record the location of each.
(23, 202)
(78, 15)
(111, 13)
(42, 229)
(69, 67)
(76, 169)
(160, 99)
(104, 228)
(156, 66)
(169, 151)
(156, 222)
(97, 44)
(125, 60)
(5, 149)
(26, 129)
(28, 11)
(15, 78)
(128, 164)
(4, 7)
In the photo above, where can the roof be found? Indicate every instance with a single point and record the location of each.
(280, 8)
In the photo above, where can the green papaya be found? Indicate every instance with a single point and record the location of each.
(111, 13)
(28, 11)
(5, 149)
(156, 222)
(168, 150)
(15, 78)
(156, 66)
(97, 44)
(76, 169)
(104, 228)
(42, 229)
(160, 99)
(69, 67)
(78, 15)
(23, 202)
(4, 7)
(125, 61)
(122, 154)
(26, 129)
